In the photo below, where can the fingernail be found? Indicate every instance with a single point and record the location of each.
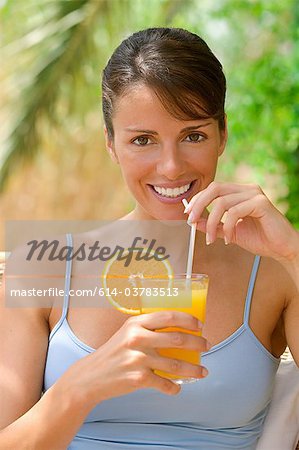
(191, 217)
(204, 372)
(189, 222)
(225, 240)
(208, 240)
(186, 210)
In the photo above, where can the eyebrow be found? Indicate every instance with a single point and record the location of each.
(193, 127)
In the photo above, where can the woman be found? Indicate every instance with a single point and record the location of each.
(165, 125)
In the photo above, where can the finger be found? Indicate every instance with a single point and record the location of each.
(215, 189)
(164, 385)
(165, 319)
(220, 206)
(201, 225)
(236, 214)
(175, 339)
(146, 378)
(179, 367)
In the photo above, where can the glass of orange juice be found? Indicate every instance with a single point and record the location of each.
(176, 294)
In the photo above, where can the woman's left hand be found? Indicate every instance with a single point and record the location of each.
(251, 220)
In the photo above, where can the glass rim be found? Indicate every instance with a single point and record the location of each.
(178, 277)
(183, 275)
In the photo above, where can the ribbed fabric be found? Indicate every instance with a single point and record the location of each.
(224, 411)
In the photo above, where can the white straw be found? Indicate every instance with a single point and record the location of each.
(191, 246)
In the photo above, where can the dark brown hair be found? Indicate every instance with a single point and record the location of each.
(177, 64)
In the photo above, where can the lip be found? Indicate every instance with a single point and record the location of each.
(171, 200)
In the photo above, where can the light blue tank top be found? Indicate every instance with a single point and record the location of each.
(224, 411)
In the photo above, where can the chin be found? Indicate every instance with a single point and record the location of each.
(170, 215)
(152, 211)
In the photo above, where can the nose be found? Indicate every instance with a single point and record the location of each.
(170, 164)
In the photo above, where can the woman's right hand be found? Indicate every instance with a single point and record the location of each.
(127, 360)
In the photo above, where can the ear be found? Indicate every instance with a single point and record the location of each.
(110, 146)
(223, 137)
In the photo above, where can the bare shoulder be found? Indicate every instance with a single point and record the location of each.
(272, 289)
(272, 285)
(271, 275)
(276, 278)
(34, 275)
(25, 305)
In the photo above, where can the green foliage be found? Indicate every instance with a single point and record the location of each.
(60, 46)
(51, 54)
(258, 43)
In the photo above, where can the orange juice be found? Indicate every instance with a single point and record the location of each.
(191, 299)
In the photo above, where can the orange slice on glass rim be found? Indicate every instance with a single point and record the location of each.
(119, 280)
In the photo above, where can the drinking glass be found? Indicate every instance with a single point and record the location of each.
(176, 294)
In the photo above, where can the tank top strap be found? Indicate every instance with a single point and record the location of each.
(250, 289)
(67, 282)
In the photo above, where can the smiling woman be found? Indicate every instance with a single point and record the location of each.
(163, 106)
(165, 125)
(162, 159)
(178, 65)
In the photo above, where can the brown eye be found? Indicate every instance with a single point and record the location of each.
(195, 137)
(141, 141)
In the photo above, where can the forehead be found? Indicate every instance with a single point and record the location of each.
(141, 105)
(139, 99)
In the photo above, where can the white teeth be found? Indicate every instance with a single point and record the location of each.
(172, 192)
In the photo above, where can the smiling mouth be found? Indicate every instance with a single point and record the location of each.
(177, 192)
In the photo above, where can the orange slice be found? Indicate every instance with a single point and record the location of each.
(121, 283)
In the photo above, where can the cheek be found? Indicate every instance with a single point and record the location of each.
(135, 167)
(204, 160)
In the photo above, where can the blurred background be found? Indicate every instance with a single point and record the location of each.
(53, 163)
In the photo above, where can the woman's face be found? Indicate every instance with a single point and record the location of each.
(162, 159)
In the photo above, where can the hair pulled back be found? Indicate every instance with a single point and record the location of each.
(177, 64)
